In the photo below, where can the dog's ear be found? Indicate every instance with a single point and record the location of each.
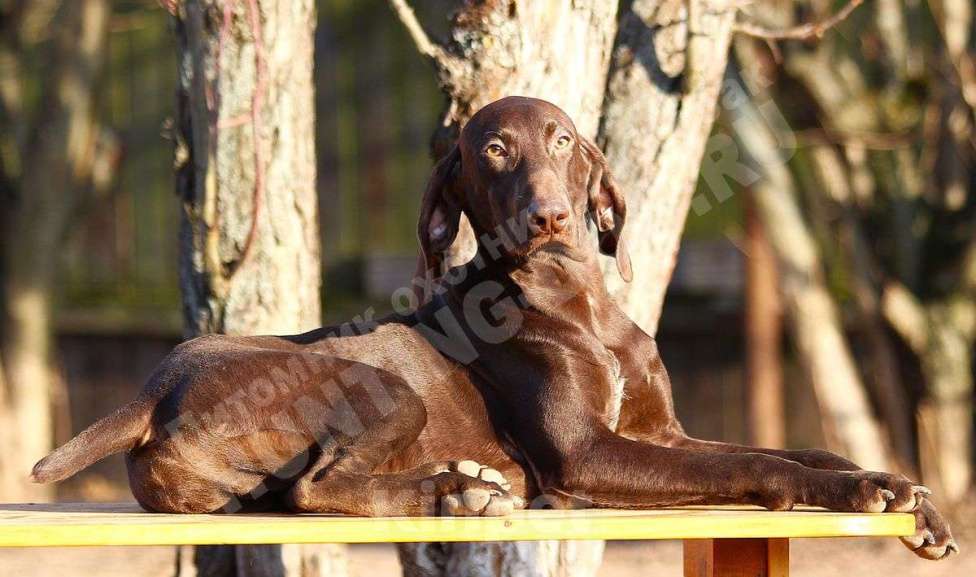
(607, 208)
(440, 214)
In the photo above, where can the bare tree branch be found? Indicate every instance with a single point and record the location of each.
(906, 315)
(867, 139)
(171, 6)
(801, 32)
(425, 45)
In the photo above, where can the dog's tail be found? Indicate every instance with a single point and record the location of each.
(120, 431)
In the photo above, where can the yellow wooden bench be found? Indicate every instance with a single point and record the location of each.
(718, 541)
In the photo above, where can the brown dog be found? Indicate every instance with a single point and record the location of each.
(518, 360)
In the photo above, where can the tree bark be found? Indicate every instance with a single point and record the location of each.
(662, 93)
(249, 238)
(56, 166)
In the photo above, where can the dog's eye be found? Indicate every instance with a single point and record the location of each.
(495, 150)
(563, 141)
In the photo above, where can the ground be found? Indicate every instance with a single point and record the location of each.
(811, 558)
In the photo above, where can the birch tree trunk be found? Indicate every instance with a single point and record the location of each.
(245, 162)
(56, 153)
(658, 109)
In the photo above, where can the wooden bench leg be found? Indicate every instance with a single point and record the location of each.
(737, 558)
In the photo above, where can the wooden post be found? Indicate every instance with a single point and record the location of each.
(764, 331)
(737, 558)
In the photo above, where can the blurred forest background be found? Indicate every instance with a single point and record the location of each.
(824, 293)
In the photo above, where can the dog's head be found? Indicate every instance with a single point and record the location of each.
(521, 170)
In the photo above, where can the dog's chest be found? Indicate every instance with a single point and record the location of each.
(616, 381)
(616, 397)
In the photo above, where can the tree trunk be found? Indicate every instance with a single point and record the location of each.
(659, 108)
(885, 379)
(946, 416)
(667, 70)
(764, 335)
(814, 319)
(246, 175)
(942, 334)
(57, 163)
(8, 475)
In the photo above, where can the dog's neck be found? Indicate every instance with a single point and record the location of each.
(554, 281)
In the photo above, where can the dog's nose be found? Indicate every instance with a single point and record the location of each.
(548, 218)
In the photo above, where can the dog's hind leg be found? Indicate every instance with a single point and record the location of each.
(342, 479)
(441, 488)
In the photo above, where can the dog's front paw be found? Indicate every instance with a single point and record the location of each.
(899, 494)
(472, 489)
(933, 537)
(870, 492)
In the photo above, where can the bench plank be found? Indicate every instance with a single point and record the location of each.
(89, 524)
